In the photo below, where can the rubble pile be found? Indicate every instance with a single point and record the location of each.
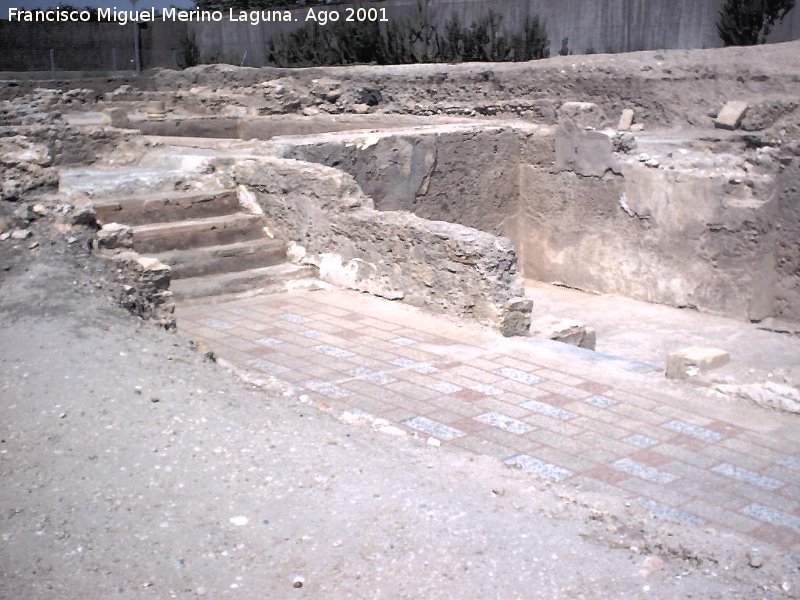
(34, 138)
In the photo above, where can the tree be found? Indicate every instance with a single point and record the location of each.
(749, 22)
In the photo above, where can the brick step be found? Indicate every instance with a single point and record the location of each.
(164, 208)
(209, 231)
(271, 279)
(227, 258)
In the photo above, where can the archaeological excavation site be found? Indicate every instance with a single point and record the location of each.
(277, 329)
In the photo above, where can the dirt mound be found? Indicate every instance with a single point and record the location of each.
(666, 88)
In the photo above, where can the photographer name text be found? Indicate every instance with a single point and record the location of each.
(151, 15)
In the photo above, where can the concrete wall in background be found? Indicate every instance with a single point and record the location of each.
(586, 25)
(87, 46)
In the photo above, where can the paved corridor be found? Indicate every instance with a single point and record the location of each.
(561, 414)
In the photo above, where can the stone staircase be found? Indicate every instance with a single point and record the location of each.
(212, 246)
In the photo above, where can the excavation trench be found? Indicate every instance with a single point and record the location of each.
(696, 226)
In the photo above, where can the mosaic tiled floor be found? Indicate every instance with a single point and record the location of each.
(551, 416)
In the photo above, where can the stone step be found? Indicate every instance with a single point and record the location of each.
(209, 231)
(165, 207)
(227, 258)
(271, 279)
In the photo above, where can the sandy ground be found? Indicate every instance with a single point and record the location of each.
(132, 468)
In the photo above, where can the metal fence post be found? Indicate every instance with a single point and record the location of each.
(52, 60)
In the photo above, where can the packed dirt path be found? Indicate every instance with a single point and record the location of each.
(132, 468)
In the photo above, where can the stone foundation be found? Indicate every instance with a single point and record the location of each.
(699, 224)
(440, 266)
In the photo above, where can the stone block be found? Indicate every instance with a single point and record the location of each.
(689, 362)
(626, 120)
(116, 117)
(113, 236)
(583, 114)
(587, 153)
(516, 317)
(152, 274)
(565, 331)
(156, 110)
(731, 115)
(83, 214)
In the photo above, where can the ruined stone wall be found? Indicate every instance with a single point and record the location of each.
(652, 235)
(440, 266)
(787, 279)
(459, 174)
(590, 219)
(708, 238)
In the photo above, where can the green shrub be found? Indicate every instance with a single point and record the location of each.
(749, 22)
(413, 40)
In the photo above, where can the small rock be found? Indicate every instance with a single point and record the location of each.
(72, 239)
(755, 561)
(369, 96)
(565, 331)
(625, 143)
(626, 120)
(21, 234)
(361, 109)
(33, 246)
(298, 582)
(239, 521)
(114, 235)
(40, 210)
(637, 127)
(155, 400)
(652, 163)
(644, 157)
(83, 214)
(731, 115)
(650, 565)
(24, 214)
(5, 236)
